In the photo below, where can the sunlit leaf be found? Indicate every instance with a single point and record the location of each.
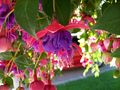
(116, 53)
(110, 21)
(23, 62)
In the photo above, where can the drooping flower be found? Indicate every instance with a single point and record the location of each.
(56, 39)
(7, 37)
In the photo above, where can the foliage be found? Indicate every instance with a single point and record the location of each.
(35, 42)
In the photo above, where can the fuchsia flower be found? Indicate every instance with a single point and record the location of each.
(56, 39)
(36, 84)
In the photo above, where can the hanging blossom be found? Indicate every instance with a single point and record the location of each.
(57, 39)
(7, 33)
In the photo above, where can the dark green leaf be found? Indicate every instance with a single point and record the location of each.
(105, 5)
(8, 81)
(43, 55)
(23, 62)
(75, 4)
(26, 13)
(6, 55)
(1, 74)
(116, 53)
(42, 21)
(110, 21)
(63, 11)
(48, 7)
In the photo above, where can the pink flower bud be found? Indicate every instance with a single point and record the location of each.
(106, 43)
(5, 44)
(116, 44)
(50, 87)
(37, 85)
(4, 87)
(94, 46)
(101, 46)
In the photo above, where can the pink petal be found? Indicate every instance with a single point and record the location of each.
(116, 44)
(54, 26)
(77, 47)
(5, 1)
(41, 33)
(44, 62)
(80, 25)
(106, 43)
(90, 19)
(40, 46)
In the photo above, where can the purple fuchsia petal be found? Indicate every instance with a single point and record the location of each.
(53, 42)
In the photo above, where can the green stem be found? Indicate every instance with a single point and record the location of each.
(53, 6)
(13, 58)
(37, 61)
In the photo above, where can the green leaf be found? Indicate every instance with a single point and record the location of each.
(116, 53)
(110, 20)
(43, 55)
(9, 81)
(26, 13)
(42, 21)
(26, 72)
(23, 62)
(63, 11)
(116, 74)
(48, 7)
(105, 5)
(6, 55)
(1, 74)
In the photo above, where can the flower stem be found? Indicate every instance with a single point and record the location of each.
(7, 16)
(12, 60)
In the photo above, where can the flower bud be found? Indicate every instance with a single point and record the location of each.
(4, 87)
(5, 44)
(37, 85)
(50, 87)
